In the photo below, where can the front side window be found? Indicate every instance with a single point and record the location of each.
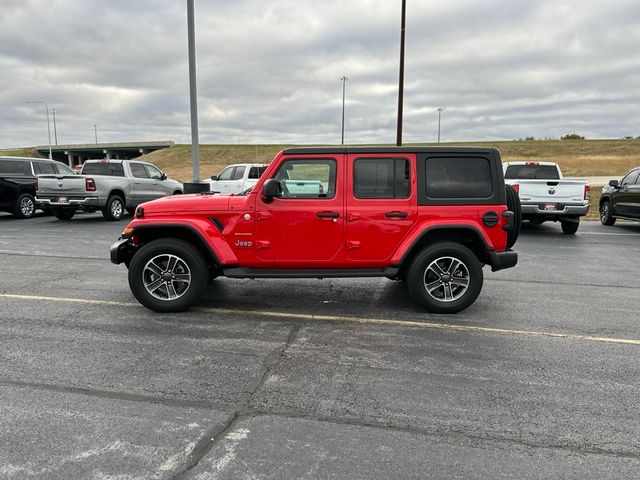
(458, 177)
(631, 178)
(153, 172)
(381, 178)
(226, 174)
(307, 178)
(138, 170)
(239, 173)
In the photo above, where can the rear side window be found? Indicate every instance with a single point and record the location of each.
(104, 168)
(381, 178)
(458, 177)
(532, 172)
(43, 168)
(256, 172)
(239, 173)
(14, 167)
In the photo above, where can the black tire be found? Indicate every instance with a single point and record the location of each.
(142, 276)
(131, 211)
(606, 213)
(114, 209)
(513, 204)
(177, 192)
(25, 206)
(64, 214)
(422, 272)
(570, 227)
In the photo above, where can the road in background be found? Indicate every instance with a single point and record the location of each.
(338, 378)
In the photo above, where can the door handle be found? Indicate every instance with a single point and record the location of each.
(328, 214)
(396, 214)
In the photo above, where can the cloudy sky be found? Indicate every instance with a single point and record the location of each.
(269, 70)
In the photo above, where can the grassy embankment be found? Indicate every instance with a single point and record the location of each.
(19, 152)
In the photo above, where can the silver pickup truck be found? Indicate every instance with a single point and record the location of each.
(545, 195)
(111, 186)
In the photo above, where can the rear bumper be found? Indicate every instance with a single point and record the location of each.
(502, 260)
(71, 201)
(573, 210)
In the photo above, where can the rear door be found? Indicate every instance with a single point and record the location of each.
(382, 205)
(303, 229)
(14, 175)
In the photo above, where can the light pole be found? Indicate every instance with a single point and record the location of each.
(344, 83)
(401, 76)
(46, 107)
(195, 143)
(55, 129)
(95, 132)
(439, 110)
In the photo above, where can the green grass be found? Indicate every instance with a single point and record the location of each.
(21, 152)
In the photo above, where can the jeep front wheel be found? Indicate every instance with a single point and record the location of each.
(445, 277)
(168, 275)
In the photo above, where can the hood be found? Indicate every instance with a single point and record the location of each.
(181, 204)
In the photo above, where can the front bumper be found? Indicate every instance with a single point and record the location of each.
(538, 209)
(120, 251)
(502, 260)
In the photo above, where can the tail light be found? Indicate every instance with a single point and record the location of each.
(587, 192)
(516, 187)
(90, 185)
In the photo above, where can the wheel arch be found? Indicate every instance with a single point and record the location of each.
(465, 235)
(119, 192)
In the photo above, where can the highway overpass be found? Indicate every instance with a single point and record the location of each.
(76, 154)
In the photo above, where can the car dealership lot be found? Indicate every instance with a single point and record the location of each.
(319, 379)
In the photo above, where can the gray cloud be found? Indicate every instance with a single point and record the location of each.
(268, 72)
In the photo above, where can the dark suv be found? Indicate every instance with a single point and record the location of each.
(621, 199)
(18, 182)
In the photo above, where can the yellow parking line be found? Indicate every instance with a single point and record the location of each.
(346, 319)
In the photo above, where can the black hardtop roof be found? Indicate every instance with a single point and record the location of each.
(373, 150)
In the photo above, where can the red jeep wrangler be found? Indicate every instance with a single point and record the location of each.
(430, 216)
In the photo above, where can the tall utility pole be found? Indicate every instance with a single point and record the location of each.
(55, 129)
(95, 131)
(344, 83)
(439, 110)
(401, 79)
(195, 144)
(46, 107)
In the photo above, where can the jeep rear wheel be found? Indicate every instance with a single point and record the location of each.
(445, 277)
(168, 275)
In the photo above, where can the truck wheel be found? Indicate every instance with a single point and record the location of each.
(168, 275)
(64, 213)
(606, 215)
(25, 206)
(513, 204)
(114, 209)
(445, 277)
(570, 226)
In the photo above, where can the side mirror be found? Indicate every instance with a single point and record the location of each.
(613, 183)
(271, 189)
(214, 177)
(163, 176)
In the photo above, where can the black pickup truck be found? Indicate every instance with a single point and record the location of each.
(18, 182)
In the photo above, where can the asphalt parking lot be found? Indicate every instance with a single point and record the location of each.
(319, 378)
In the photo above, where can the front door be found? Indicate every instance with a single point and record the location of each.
(381, 205)
(623, 197)
(303, 228)
(142, 184)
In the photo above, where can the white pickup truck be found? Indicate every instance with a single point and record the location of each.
(546, 196)
(236, 178)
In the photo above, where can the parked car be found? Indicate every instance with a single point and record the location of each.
(546, 196)
(18, 182)
(236, 178)
(431, 216)
(110, 186)
(621, 199)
